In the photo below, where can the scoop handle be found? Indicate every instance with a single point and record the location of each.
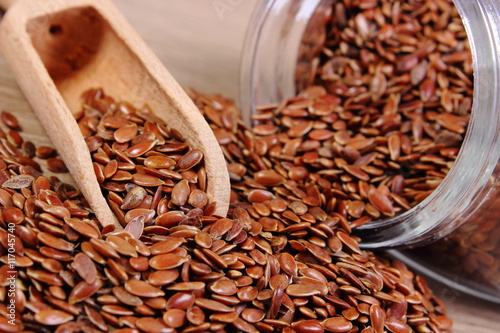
(47, 103)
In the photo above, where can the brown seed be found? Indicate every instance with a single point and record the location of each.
(84, 290)
(56, 165)
(227, 317)
(279, 280)
(221, 227)
(110, 169)
(337, 324)
(253, 315)
(381, 202)
(244, 326)
(236, 234)
(18, 182)
(247, 293)
(55, 242)
(103, 248)
(13, 215)
(170, 219)
(163, 277)
(184, 231)
(355, 208)
(377, 318)
(268, 178)
(114, 121)
(212, 257)
(159, 162)
(95, 317)
(427, 89)
(125, 133)
(52, 265)
(199, 268)
(302, 290)
(121, 246)
(44, 152)
(224, 287)
(135, 227)
(307, 326)
(156, 303)
(189, 160)
(319, 253)
(82, 227)
(451, 122)
(167, 261)
(394, 146)
(21, 261)
(288, 264)
(259, 196)
(349, 241)
(126, 297)
(356, 172)
(85, 267)
(167, 245)
(181, 300)
(139, 263)
(146, 180)
(187, 286)
(52, 317)
(209, 304)
(89, 250)
(180, 193)
(141, 215)
(152, 325)
(140, 148)
(203, 239)
(133, 198)
(142, 289)
(117, 310)
(93, 143)
(9, 240)
(398, 184)
(398, 326)
(6, 197)
(195, 315)
(99, 172)
(174, 318)
(198, 198)
(9, 120)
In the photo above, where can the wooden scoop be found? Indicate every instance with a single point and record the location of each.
(57, 49)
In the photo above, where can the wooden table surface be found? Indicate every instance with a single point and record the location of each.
(200, 42)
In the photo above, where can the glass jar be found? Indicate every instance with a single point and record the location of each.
(281, 41)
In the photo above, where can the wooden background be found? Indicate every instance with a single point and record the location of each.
(200, 42)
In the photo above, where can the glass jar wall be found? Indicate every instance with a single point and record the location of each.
(280, 54)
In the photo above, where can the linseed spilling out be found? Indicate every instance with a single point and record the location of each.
(272, 265)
